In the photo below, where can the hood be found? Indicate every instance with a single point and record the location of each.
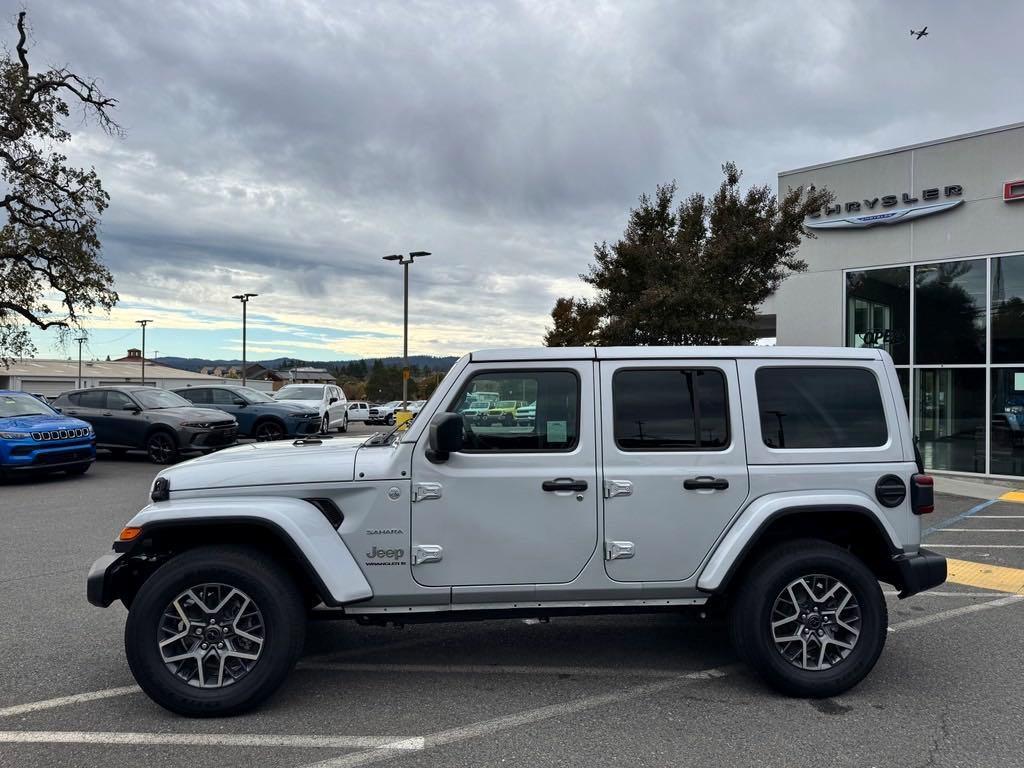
(282, 461)
(186, 413)
(305, 405)
(42, 423)
(289, 406)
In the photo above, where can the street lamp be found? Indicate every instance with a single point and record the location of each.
(81, 340)
(143, 323)
(244, 298)
(405, 262)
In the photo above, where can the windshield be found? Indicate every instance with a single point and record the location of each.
(159, 398)
(301, 393)
(22, 405)
(384, 438)
(254, 395)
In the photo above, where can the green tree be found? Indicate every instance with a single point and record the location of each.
(385, 383)
(49, 245)
(693, 272)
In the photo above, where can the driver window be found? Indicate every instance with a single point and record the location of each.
(117, 401)
(519, 411)
(222, 397)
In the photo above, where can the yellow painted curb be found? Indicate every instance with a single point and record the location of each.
(995, 577)
(1015, 496)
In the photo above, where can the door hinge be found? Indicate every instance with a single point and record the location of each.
(613, 488)
(424, 491)
(426, 553)
(618, 550)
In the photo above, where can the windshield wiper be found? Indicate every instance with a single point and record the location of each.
(381, 438)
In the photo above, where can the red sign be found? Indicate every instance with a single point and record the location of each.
(1013, 191)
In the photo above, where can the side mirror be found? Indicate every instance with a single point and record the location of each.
(131, 407)
(332, 401)
(239, 401)
(444, 437)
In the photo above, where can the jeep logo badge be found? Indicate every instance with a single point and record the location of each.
(386, 554)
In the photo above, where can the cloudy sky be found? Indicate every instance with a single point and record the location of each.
(282, 148)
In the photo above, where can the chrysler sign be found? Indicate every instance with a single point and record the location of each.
(882, 210)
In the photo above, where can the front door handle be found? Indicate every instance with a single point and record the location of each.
(564, 484)
(706, 483)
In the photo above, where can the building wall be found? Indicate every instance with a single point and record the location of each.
(960, 350)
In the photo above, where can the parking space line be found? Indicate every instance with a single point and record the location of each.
(986, 576)
(975, 546)
(998, 517)
(391, 743)
(940, 593)
(979, 530)
(530, 716)
(969, 513)
(63, 701)
(953, 613)
(494, 669)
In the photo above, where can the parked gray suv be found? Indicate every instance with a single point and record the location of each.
(156, 421)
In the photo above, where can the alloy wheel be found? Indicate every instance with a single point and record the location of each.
(161, 448)
(268, 431)
(815, 622)
(211, 635)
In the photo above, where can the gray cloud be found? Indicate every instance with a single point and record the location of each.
(292, 144)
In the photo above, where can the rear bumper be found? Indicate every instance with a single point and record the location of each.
(100, 582)
(919, 572)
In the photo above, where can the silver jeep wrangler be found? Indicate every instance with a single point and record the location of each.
(776, 485)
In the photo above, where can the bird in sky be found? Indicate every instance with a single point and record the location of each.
(919, 35)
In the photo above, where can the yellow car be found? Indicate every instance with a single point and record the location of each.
(501, 412)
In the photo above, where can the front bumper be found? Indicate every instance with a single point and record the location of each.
(208, 439)
(919, 572)
(29, 456)
(100, 582)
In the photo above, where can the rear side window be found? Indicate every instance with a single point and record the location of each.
(95, 398)
(820, 408)
(679, 409)
(196, 395)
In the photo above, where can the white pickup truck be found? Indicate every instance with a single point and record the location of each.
(775, 486)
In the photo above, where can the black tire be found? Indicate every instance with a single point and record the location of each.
(271, 589)
(390, 421)
(752, 615)
(325, 424)
(162, 447)
(344, 424)
(78, 469)
(268, 430)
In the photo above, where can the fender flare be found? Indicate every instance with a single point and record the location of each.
(762, 512)
(309, 535)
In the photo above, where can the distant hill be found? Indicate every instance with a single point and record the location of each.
(429, 362)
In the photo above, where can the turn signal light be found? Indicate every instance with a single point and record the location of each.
(129, 534)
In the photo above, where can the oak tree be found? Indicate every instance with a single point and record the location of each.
(51, 274)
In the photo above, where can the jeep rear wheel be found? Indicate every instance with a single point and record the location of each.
(810, 619)
(215, 631)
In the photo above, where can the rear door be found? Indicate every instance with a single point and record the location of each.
(675, 467)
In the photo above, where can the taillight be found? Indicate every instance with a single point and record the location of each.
(922, 494)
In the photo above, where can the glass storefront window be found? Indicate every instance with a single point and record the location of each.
(878, 311)
(1008, 310)
(904, 376)
(950, 418)
(1007, 436)
(949, 312)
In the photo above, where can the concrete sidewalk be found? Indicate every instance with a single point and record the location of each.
(972, 488)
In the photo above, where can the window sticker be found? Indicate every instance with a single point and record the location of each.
(557, 432)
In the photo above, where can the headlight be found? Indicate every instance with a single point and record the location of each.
(15, 435)
(196, 424)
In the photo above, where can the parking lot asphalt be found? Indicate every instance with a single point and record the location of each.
(661, 690)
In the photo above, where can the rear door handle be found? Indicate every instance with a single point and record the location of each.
(564, 484)
(706, 483)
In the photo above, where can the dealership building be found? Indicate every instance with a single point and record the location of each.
(922, 254)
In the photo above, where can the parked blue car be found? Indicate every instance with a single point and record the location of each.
(33, 436)
(258, 415)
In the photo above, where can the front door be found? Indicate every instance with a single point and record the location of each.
(126, 425)
(519, 504)
(675, 467)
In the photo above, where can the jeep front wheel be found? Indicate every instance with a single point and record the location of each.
(810, 619)
(214, 631)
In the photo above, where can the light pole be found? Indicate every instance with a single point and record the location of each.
(81, 340)
(244, 298)
(405, 262)
(143, 323)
